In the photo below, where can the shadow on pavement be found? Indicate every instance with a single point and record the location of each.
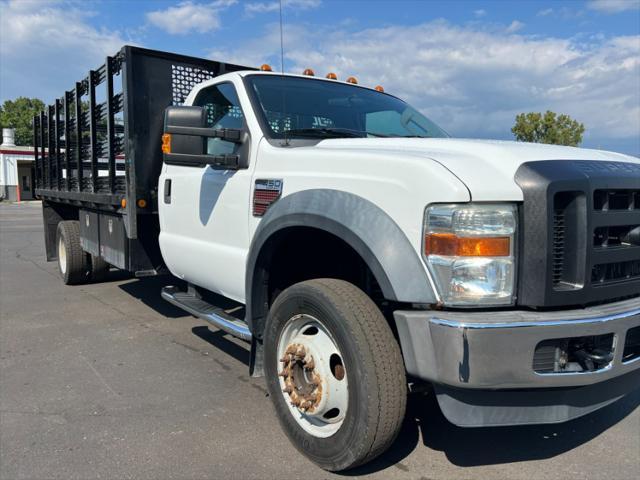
(147, 290)
(221, 341)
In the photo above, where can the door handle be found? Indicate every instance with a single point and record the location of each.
(167, 190)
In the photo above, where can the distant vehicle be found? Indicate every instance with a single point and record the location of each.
(360, 248)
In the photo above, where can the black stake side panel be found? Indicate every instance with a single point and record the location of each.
(56, 143)
(111, 139)
(36, 144)
(151, 81)
(41, 175)
(51, 156)
(67, 136)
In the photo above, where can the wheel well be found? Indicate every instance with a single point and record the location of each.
(296, 254)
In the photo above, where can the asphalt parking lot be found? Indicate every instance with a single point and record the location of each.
(109, 381)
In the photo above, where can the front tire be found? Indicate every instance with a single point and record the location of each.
(334, 372)
(73, 262)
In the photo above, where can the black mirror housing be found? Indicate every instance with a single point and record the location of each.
(189, 117)
(187, 127)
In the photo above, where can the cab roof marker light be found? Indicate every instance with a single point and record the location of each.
(308, 72)
(379, 89)
(266, 67)
(166, 143)
(353, 80)
(332, 76)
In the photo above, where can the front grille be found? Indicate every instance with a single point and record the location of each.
(558, 247)
(567, 271)
(617, 199)
(581, 232)
(610, 222)
(617, 216)
(613, 272)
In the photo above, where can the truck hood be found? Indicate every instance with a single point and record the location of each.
(486, 167)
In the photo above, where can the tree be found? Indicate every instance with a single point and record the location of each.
(19, 114)
(548, 128)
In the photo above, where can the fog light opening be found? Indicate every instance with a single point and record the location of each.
(574, 355)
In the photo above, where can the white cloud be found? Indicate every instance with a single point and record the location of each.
(188, 17)
(274, 6)
(480, 13)
(545, 12)
(474, 82)
(37, 41)
(514, 26)
(613, 6)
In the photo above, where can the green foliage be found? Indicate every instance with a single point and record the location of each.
(548, 128)
(19, 114)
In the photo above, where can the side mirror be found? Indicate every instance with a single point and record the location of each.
(184, 140)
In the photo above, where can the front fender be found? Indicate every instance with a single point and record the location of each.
(364, 226)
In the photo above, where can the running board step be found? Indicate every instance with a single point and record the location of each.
(192, 303)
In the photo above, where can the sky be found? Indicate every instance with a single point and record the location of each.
(470, 66)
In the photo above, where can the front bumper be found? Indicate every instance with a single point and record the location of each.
(493, 351)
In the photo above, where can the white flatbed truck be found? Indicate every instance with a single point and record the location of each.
(365, 248)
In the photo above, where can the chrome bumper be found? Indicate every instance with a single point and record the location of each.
(494, 350)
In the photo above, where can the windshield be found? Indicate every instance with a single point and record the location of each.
(308, 108)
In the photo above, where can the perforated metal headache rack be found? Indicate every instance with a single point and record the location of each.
(99, 144)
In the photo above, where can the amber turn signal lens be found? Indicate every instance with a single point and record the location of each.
(266, 68)
(332, 76)
(353, 80)
(450, 245)
(379, 88)
(166, 143)
(308, 72)
(123, 203)
(142, 203)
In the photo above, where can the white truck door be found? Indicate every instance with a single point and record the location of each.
(204, 211)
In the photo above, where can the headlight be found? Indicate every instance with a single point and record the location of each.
(469, 250)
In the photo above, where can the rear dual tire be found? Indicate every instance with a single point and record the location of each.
(366, 348)
(76, 266)
(99, 269)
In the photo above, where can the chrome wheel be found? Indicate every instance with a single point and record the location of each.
(312, 376)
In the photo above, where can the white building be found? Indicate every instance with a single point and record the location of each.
(17, 169)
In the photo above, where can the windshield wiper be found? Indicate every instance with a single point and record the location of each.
(322, 132)
(333, 132)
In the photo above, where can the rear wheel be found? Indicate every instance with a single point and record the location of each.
(73, 262)
(99, 269)
(334, 372)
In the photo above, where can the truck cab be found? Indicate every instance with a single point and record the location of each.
(365, 252)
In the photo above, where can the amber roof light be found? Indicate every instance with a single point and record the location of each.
(308, 72)
(332, 76)
(266, 68)
(379, 89)
(353, 80)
